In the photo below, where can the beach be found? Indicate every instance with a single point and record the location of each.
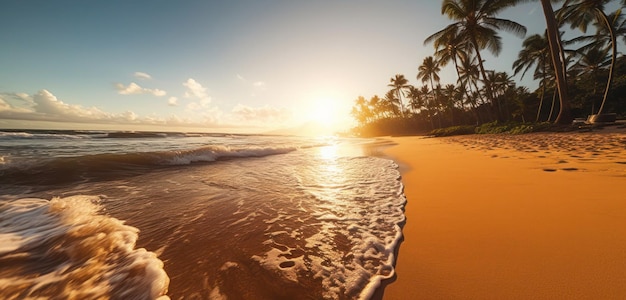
(536, 216)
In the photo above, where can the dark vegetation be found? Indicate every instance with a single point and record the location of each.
(591, 78)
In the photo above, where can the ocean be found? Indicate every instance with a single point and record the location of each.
(144, 215)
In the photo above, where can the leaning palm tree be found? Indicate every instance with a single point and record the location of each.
(399, 84)
(450, 47)
(556, 54)
(535, 51)
(476, 24)
(580, 13)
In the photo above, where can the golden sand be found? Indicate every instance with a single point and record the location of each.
(537, 216)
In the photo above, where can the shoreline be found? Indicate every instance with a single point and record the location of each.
(511, 217)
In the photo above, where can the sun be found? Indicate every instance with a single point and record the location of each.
(324, 111)
(323, 116)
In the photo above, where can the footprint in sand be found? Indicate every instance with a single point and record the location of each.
(562, 162)
(287, 264)
(549, 170)
(569, 169)
(621, 162)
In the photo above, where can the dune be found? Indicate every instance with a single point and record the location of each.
(537, 216)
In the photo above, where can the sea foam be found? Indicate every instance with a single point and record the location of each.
(65, 249)
(352, 231)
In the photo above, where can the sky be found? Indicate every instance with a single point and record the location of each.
(218, 66)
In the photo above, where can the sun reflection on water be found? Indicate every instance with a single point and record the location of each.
(329, 153)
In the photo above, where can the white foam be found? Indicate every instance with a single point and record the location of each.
(213, 153)
(276, 260)
(357, 227)
(72, 251)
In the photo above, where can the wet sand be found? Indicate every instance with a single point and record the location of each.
(537, 216)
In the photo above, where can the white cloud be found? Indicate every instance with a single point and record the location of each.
(16, 103)
(259, 84)
(195, 89)
(45, 106)
(172, 101)
(4, 105)
(260, 114)
(135, 89)
(241, 78)
(129, 116)
(142, 75)
(193, 106)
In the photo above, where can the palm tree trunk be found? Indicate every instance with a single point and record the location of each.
(595, 91)
(458, 74)
(543, 93)
(613, 59)
(482, 71)
(434, 100)
(565, 115)
(553, 102)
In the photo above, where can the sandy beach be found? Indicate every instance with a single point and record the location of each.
(537, 216)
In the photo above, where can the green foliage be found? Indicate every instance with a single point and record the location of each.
(512, 127)
(493, 127)
(453, 130)
(391, 126)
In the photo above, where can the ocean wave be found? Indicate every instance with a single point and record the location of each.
(86, 134)
(65, 249)
(135, 135)
(19, 135)
(69, 169)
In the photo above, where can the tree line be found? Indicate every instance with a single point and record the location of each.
(577, 77)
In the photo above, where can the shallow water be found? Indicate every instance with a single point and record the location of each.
(267, 218)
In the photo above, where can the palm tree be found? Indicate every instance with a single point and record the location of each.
(450, 47)
(361, 111)
(518, 95)
(451, 97)
(500, 83)
(476, 24)
(429, 71)
(591, 62)
(416, 99)
(556, 53)
(391, 103)
(580, 13)
(399, 84)
(375, 105)
(536, 50)
(428, 103)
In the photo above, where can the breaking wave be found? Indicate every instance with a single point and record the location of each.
(65, 249)
(69, 169)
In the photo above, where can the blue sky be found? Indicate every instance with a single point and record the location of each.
(225, 66)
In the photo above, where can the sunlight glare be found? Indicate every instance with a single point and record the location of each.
(324, 112)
